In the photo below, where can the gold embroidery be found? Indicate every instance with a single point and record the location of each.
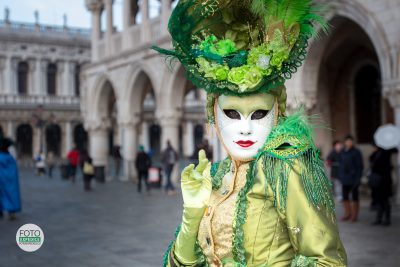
(216, 231)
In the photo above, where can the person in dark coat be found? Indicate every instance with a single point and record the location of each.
(10, 199)
(350, 173)
(143, 163)
(169, 159)
(333, 161)
(380, 163)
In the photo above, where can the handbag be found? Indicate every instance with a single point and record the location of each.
(88, 168)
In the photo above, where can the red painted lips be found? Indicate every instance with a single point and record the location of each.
(246, 143)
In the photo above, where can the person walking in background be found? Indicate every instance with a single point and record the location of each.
(169, 158)
(117, 160)
(40, 163)
(350, 173)
(10, 199)
(51, 161)
(333, 162)
(88, 173)
(143, 164)
(380, 181)
(73, 161)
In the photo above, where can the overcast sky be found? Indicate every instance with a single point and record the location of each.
(52, 11)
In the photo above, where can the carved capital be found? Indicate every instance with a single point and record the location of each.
(391, 91)
(94, 5)
(95, 125)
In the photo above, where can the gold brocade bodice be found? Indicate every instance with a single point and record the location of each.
(271, 237)
(216, 232)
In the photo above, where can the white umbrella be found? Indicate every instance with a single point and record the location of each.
(387, 136)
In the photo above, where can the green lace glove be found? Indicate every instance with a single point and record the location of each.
(196, 191)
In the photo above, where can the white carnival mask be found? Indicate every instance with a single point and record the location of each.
(244, 123)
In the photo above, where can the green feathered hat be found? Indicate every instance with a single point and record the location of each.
(241, 47)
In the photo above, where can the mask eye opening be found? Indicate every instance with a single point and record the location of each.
(232, 114)
(259, 114)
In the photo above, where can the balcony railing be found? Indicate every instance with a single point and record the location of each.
(43, 29)
(34, 100)
(139, 34)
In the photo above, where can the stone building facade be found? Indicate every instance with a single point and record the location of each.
(40, 67)
(351, 77)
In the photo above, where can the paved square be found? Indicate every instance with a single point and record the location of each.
(114, 226)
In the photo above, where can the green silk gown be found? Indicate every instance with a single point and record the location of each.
(274, 211)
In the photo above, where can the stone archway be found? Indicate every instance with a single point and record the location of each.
(350, 11)
(148, 128)
(348, 54)
(104, 131)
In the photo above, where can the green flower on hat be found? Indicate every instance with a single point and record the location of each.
(235, 47)
(246, 77)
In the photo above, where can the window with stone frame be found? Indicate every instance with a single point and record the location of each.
(22, 77)
(76, 79)
(51, 79)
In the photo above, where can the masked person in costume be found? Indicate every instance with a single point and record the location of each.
(270, 202)
(10, 199)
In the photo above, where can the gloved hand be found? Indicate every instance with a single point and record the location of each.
(196, 191)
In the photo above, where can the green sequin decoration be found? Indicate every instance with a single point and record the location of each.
(223, 168)
(303, 261)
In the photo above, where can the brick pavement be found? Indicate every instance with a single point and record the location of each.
(114, 226)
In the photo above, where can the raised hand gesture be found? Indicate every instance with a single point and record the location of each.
(196, 187)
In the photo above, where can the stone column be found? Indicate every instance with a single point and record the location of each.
(109, 25)
(95, 8)
(11, 76)
(126, 18)
(129, 148)
(165, 13)
(60, 86)
(189, 139)
(144, 136)
(10, 132)
(98, 150)
(37, 138)
(68, 79)
(42, 77)
(397, 121)
(34, 78)
(68, 144)
(126, 23)
(2, 71)
(392, 93)
(169, 129)
(98, 139)
(7, 76)
(31, 77)
(145, 26)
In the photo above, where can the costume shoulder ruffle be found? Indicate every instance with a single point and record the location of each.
(291, 138)
(289, 144)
